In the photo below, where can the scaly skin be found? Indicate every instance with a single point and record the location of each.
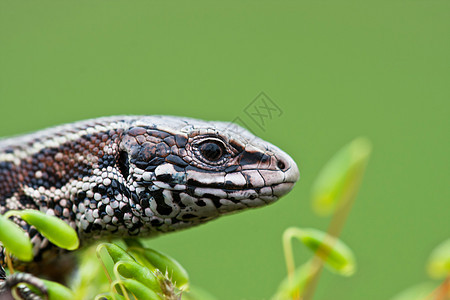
(130, 176)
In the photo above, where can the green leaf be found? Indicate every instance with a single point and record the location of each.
(289, 288)
(133, 270)
(138, 289)
(15, 240)
(152, 258)
(109, 254)
(336, 255)
(116, 253)
(418, 292)
(54, 229)
(58, 291)
(339, 179)
(438, 265)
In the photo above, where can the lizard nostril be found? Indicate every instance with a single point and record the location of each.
(281, 165)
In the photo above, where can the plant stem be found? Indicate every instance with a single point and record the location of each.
(442, 292)
(289, 256)
(103, 264)
(9, 262)
(334, 230)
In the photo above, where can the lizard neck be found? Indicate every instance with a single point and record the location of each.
(70, 172)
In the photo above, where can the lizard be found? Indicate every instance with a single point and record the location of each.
(137, 176)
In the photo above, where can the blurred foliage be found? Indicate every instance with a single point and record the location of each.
(337, 181)
(438, 265)
(336, 255)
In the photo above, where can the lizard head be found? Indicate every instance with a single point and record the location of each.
(185, 172)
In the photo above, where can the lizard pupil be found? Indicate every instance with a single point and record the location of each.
(212, 151)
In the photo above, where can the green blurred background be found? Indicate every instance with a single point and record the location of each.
(337, 69)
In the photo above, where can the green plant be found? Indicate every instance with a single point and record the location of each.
(333, 193)
(438, 268)
(16, 242)
(113, 273)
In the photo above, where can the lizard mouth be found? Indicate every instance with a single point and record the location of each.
(229, 187)
(246, 184)
(250, 184)
(266, 193)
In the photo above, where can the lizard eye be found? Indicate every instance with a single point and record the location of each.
(212, 151)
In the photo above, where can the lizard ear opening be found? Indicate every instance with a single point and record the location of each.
(124, 164)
